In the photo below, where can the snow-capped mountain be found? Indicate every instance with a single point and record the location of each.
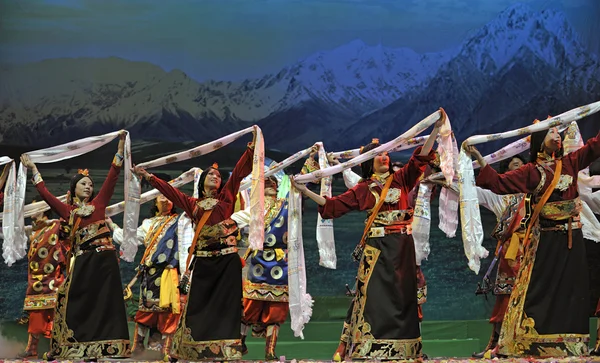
(520, 64)
(68, 98)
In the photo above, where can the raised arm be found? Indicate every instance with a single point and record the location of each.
(428, 146)
(241, 170)
(181, 200)
(512, 182)
(587, 154)
(108, 187)
(410, 173)
(62, 209)
(187, 203)
(350, 177)
(339, 205)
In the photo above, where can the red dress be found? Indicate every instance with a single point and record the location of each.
(216, 284)
(384, 322)
(90, 319)
(547, 313)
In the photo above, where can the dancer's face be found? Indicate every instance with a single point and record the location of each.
(163, 205)
(213, 180)
(270, 188)
(84, 188)
(381, 163)
(553, 141)
(514, 164)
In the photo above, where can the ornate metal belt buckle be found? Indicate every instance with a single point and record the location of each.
(377, 232)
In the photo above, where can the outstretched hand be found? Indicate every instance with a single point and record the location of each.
(313, 151)
(332, 159)
(471, 150)
(121, 147)
(301, 187)
(140, 172)
(26, 160)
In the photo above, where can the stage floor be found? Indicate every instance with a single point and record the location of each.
(443, 341)
(434, 360)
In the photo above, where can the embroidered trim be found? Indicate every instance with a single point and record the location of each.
(561, 210)
(39, 302)
(222, 252)
(393, 196)
(564, 182)
(118, 160)
(364, 344)
(422, 295)
(185, 347)
(207, 203)
(345, 337)
(518, 336)
(391, 217)
(84, 210)
(265, 292)
(63, 344)
(37, 178)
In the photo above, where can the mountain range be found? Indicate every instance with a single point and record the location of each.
(521, 66)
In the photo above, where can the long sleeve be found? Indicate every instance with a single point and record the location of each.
(185, 202)
(142, 231)
(350, 178)
(512, 182)
(491, 201)
(409, 174)
(108, 187)
(55, 204)
(242, 169)
(592, 200)
(584, 156)
(339, 205)
(241, 218)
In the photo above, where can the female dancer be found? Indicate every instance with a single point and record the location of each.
(209, 328)
(547, 313)
(90, 321)
(350, 180)
(384, 323)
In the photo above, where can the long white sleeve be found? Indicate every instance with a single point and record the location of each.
(142, 231)
(242, 218)
(591, 225)
(350, 178)
(494, 202)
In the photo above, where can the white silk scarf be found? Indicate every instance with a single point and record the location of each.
(15, 244)
(256, 238)
(325, 237)
(469, 208)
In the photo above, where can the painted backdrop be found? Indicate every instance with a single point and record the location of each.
(178, 73)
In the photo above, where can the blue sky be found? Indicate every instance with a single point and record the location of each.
(235, 39)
